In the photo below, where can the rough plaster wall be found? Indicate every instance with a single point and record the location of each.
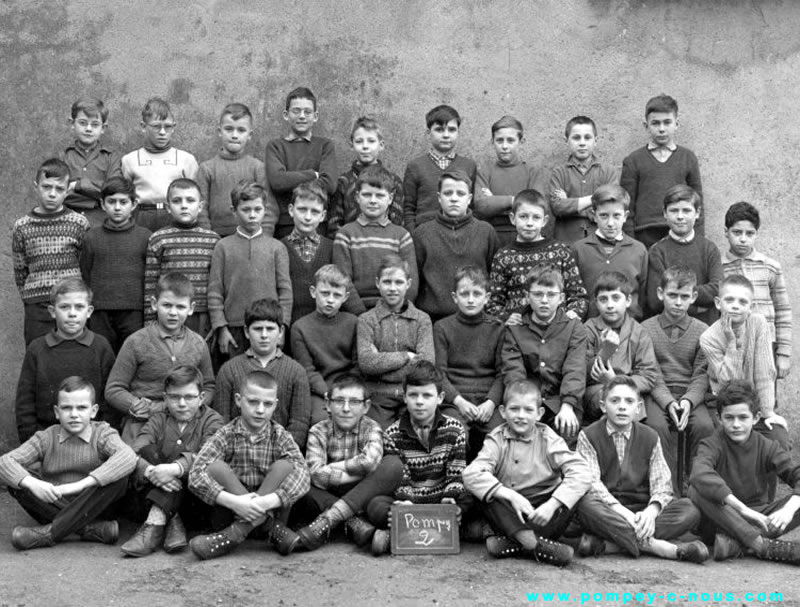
(731, 64)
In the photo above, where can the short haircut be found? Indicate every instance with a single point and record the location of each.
(474, 274)
(182, 183)
(545, 274)
(368, 123)
(523, 388)
(258, 379)
(349, 380)
(739, 280)
(442, 114)
(531, 197)
(73, 284)
(331, 274)
(422, 372)
(236, 111)
(176, 283)
(183, 375)
(376, 176)
(736, 392)
(507, 122)
(74, 383)
(91, 107)
(247, 190)
(682, 276)
(612, 281)
(393, 261)
(742, 211)
(52, 168)
(301, 92)
(118, 185)
(619, 380)
(310, 190)
(681, 192)
(157, 108)
(579, 120)
(455, 175)
(663, 104)
(263, 310)
(610, 193)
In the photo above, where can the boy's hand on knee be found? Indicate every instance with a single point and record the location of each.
(247, 507)
(645, 523)
(225, 340)
(756, 518)
(485, 411)
(566, 422)
(544, 513)
(522, 507)
(467, 409)
(47, 492)
(163, 474)
(679, 413)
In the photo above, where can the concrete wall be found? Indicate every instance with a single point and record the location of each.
(731, 64)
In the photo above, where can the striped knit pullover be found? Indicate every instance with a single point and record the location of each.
(46, 250)
(432, 473)
(181, 249)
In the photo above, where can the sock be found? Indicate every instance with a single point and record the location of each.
(338, 513)
(156, 516)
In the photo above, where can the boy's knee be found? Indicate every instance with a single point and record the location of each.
(219, 471)
(378, 510)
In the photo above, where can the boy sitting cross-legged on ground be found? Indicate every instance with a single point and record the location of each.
(83, 468)
(630, 504)
(326, 359)
(731, 477)
(549, 347)
(528, 481)
(166, 446)
(345, 457)
(431, 447)
(252, 469)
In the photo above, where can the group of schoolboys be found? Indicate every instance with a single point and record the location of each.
(437, 357)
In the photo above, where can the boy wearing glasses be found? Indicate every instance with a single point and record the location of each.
(155, 165)
(299, 157)
(345, 457)
(166, 446)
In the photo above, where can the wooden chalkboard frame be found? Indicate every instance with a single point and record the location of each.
(436, 533)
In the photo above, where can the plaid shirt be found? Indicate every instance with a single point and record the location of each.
(250, 456)
(360, 450)
(660, 476)
(305, 245)
(442, 161)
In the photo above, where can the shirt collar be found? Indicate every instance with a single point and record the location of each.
(408, 426)
(85, 435)
(383, 221)
(296, 236)
(611, 430)
(682, 239)
(239, 427)
(97, 147)
(753, 256)
(618, 238)
(246, 236)
(339, 433)
(437, 156)
(666, 323)
(250, 354)
(509, 435)
(294, 137)
(53, 339)
(590, 162)
(164, 335)
(654, 146)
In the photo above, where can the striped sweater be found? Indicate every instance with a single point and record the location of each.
(181, 249)
(46, 250)
(433, 473)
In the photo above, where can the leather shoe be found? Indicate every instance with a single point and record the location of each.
(145, 541)
(103, 532)
(25, 538)
(360, 529)
(283, 539)
(175, 535)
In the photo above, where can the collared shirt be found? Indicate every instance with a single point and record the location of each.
(305, 245)
(247, 236)
(660, 475)
(85, 435)
(53, 339)
(682, 239)
(360, 449)
(295, 137)
(661, 152)
(602, 237)
(674, 330)
(443, 161)
(250, 456)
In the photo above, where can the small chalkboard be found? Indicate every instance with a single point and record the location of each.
(425, 529)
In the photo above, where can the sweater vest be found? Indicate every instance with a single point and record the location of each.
(302, 275)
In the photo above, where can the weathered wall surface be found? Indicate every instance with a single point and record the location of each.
(731, 64)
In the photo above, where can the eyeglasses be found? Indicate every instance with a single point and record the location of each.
(338, 403)
(176, 398)
(95, 124)
(544, 294)
(161, 126)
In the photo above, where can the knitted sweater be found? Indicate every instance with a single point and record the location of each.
(647, 181)
(421, 187)
(290, 163)
(468, 355)
(510, 268)
(112, 264)
(152, 173)
(244, 270)
(302, 276)
(505, 181)
(89, 168)
(183, 249)
(294, 402)
(433, 473)
(702, 256)
(48, 361)
(682, 363)
(98, 452)
(358, 250)
(46, 249)
(217, 177)
(326, 347)
(441, 247)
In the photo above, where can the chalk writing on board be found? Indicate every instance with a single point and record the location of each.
(425, 529)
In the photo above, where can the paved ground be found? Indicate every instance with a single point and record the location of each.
(88, 575)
